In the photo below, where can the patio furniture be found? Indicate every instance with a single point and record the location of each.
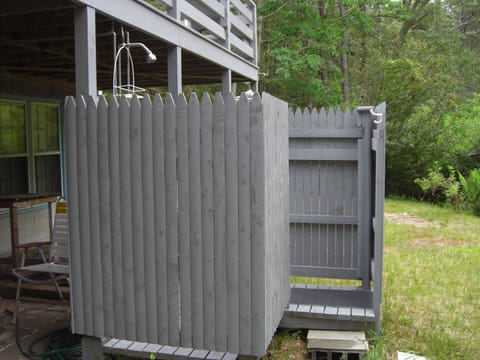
(56, 266)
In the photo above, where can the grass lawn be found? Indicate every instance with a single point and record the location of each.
(431, 281)
(431, 302)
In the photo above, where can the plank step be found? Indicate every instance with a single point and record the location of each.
(165, 352)
(331, 312)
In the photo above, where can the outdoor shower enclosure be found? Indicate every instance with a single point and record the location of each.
(179, 219)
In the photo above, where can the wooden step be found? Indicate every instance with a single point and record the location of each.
(165, 352)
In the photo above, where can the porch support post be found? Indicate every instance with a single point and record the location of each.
(85, 52)
(175, 70)
(226, 82)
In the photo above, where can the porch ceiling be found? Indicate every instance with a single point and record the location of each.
(37, 42)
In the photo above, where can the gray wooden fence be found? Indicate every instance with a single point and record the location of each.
(179, 220)
(332, 193)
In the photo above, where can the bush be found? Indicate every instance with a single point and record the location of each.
(438, 188)
(471, 189)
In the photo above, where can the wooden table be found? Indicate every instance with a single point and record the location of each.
(13, 203)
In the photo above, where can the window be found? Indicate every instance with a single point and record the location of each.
(29, 147)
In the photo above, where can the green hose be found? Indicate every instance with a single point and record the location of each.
(59, 345)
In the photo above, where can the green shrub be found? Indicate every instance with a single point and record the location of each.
(438, 188)
(471, 189)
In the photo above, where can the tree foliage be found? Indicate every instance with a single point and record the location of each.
(420, 56)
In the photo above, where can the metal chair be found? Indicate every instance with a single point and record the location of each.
(56, 266)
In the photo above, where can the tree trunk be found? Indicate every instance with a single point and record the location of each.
(324, 70)
(344, 55)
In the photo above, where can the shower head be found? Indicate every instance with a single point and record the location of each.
(151, 58)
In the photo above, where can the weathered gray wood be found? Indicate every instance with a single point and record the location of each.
(115, 219)
(316, 132)
(364, 201)
(93, 212)
(83, 212)
(339, 192)
(148, 211)
(323, 272)
(171, 219)
(167, 350)
(159, 196)
(195, 205)
(126, 219)
(324, 219)
(199, 354)
(219, 201)
(244, 223)
(136, 349)
(184, 222)
(307, 190)
(182, 353)
(379, 210)
(323, 154)
(74, 226)
(231, 209)
(137, 221)
(349, 195)
(182, 182)
(276, 212)
(104, 215)
(257, 161)
(206, 168)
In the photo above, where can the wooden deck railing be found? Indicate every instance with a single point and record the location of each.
(230, 23)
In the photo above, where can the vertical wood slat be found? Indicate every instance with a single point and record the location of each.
(184, 222)
(340, 175)
(159, 196)
(126, 219)
(244, 223)
(257, 195)
(231, 212)
(195, 189)
(206, 169)
(331, 192)
(193, 257)
(349, 195)
(171, 221)
(307, 193)
(148, 206)
(104, 215)
(83, 211)
(323, 189)
(219, 202)
(138, 254)
(315, 194)
(115, 216)
(93, 210)
(299, 195)
(74, 226)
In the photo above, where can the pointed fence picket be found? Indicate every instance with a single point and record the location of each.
(179, 219)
